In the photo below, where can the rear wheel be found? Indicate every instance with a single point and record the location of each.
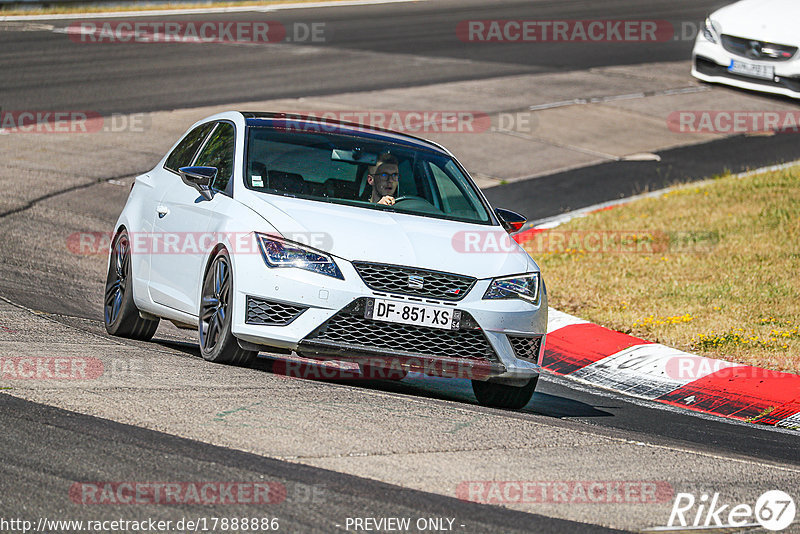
(217, 343)
(120, 315)
(504, 396)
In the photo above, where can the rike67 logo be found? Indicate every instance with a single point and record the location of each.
(774, 510)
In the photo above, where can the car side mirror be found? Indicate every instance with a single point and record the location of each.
(511, 220)
(200, 178)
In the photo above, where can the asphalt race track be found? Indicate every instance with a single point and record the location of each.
(392, 45)
(371, 448)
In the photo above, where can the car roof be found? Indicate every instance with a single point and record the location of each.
(279, 120)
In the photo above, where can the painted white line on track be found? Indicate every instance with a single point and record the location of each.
(616, 98)
(203, 10)
(566, 146)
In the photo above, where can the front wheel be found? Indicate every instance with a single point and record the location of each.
(217, 343)
(120, 315)
(497, 395)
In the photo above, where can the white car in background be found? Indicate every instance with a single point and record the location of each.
(751, 44)
(259, 231)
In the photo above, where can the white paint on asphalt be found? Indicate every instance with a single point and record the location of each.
(204, 10)
(617, 98)
(574, 148)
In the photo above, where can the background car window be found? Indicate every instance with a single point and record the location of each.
(218, 152)
(184, 153)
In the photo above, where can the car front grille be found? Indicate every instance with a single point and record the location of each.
(711, 68)
(759, 50)
(526, 348)
(350, 329)
(412, 281)
(270, 313)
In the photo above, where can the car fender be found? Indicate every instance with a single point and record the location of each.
(235, 226)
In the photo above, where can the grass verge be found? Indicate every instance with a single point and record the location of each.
(711, 268)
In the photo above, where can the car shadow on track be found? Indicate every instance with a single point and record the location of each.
(415, 384)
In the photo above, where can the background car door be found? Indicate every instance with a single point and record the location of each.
(181, 219)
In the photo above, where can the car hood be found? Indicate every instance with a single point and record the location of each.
(774, 21)
(360, 234)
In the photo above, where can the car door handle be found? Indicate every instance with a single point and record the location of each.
(162, 211)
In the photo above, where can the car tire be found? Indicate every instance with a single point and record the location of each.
(217, 343)
(504, 396)
(120, 314)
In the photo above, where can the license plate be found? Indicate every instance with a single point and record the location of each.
(394, 311)
(766, 72)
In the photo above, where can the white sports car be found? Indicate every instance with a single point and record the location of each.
(270, 232)
(751, 44)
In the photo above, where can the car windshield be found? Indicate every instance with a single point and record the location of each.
(337, 168)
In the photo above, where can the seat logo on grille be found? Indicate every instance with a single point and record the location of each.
(415, 281)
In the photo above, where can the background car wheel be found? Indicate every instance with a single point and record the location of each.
(217, 343)
(121, 316)
(372, 372)
(504, 396)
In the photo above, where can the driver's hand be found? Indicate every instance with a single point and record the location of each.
(387, 200)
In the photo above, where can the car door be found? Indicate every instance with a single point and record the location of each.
(181, 220)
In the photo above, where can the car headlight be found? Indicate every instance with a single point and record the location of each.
(711, 31)
(281, 253)
(521, 286)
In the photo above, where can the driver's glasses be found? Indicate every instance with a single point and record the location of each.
(386, 176)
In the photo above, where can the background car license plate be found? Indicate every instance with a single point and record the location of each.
(395, 311)
(766, 72)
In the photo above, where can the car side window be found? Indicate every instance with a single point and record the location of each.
(184, 153)
(218, 152)
(455, 201)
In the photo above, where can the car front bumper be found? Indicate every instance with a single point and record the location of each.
(323, 317)
(710, 63)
